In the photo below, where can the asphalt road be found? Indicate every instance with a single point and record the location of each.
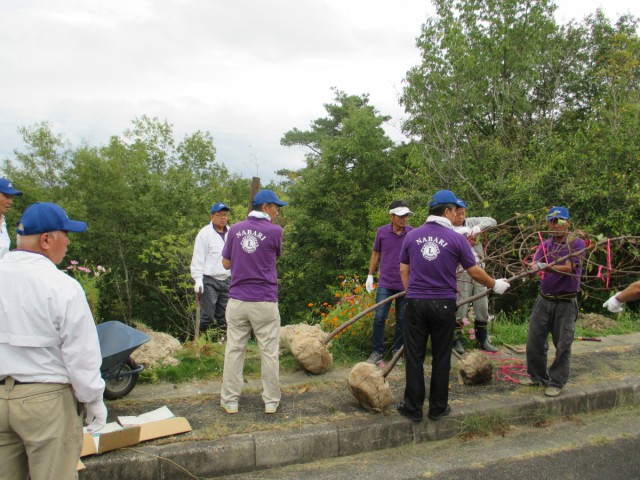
(590, 446)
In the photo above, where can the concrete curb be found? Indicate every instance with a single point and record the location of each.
(263, 450)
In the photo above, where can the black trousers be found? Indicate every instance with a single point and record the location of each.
(424, 319)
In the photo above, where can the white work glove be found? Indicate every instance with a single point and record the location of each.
(613, 305)
(540, 266)
(475, 231)
(466, 231)
(369, 284)
(501, 286)
(198, 287)
(96, 416)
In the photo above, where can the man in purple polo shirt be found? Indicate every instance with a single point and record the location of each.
(386, 250)
(428, 261)
(556, 308)
(250, 252)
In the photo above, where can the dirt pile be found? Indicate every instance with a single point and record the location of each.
(595, 321)
(158, 351)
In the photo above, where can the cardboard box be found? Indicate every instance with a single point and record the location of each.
(128, 436)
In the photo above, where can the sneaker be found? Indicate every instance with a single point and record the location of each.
(553, 391)
(400, 361)
(375, 358)
(437, 417)
(529, 382)
(457, 347)
(229, 407)
(402, 410)
(487, 347)
(271, 407)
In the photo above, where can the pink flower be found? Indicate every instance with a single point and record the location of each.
(465, 321)
(472, 331)
(74, 262)
(472, 336)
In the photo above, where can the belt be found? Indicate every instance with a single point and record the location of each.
(16, 382)
(563, 297)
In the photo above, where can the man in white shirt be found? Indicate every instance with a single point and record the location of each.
(211, 279)
(7, 193)
(49, 351)
(471, 227)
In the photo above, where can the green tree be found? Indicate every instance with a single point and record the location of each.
(348, 169)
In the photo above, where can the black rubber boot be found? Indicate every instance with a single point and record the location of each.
(457, 342)
(483, 339)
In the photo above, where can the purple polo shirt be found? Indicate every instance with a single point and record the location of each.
(253, 247)
(556, 283)
(389, 243)
(433, 253)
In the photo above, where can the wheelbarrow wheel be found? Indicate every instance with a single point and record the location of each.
(119, 386)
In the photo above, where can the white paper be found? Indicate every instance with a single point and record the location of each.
(161, 413)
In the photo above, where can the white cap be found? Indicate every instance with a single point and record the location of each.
(400, 211)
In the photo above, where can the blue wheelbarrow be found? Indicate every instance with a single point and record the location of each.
(119, 371)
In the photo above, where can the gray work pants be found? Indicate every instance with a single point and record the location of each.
(559, 319)
(213, 304)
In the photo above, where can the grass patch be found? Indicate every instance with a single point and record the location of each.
(205, 359)
(477, 425)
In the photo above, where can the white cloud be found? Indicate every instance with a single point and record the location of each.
(247, 71)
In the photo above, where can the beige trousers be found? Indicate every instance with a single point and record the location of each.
(263, 318)
(40, 431)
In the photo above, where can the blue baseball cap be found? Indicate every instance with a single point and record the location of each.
(446, 196)
(7, 188)
(43, 217)
(558, 212)
(267, 196)
(216, 207)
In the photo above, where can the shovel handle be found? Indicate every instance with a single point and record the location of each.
(197, 323)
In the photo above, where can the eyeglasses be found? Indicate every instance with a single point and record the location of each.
(221, 214)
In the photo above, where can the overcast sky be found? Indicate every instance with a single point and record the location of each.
(245, 70)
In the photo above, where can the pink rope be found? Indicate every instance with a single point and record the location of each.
(544, 252)
(507, 373)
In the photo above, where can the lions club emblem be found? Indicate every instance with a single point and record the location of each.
(249, 243)
(430, 251)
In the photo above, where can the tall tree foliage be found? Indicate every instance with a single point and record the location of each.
(515, 112)
(144, 196)
(348, 170)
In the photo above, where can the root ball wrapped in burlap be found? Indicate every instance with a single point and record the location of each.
(289, 332)
(312, 354)
(475, 368)
(369, 387)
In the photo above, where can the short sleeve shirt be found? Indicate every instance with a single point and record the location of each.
(253, 247)
(433, 253)
(389, 243)
(550, 251)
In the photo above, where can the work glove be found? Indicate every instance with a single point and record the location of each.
(540, 266)
(475, 231)
(613, 305)
(501, 286)
(466, 231)
(198, 287)
(369, 284)
(96, 416)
